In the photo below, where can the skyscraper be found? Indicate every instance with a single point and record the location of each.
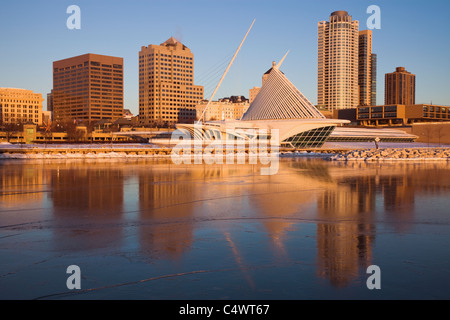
(373, 100)
(166, 84)
(50, 101)
(365, 67)
(88, 88)
(400, 87)
(338, 40)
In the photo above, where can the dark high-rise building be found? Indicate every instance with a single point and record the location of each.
(400, 87)
(50, 101)
(365, 67)
(373, 100)
(88, 88)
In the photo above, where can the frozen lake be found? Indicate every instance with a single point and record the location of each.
(149, 229)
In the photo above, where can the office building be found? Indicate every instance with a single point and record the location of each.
(400, 87)
(338, 56)
(20, 106)
(167, 93)
(88, 88)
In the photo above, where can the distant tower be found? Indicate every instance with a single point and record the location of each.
(338, 40)
(365, 67)
(50, 101)
(400, 87)
(373, 100)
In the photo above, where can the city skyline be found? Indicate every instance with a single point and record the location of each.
(35, 35)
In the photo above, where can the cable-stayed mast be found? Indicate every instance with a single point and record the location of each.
(224, 74)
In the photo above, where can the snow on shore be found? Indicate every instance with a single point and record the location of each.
(411, 154)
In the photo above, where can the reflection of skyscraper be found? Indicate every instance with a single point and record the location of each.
(87, 190)
(166, 198)
(90, 192)
(344, 243)
(21, 184)
(398, 194)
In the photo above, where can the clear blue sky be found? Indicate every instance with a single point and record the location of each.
(33, 34)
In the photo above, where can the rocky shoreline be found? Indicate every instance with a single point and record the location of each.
(395, 154)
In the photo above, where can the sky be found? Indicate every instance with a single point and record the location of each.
(413, 34)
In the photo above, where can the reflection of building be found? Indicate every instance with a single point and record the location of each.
(398, 194)
(400, 87)
(88, 87)
(337, 86)
(98, 190)
(166, 83)
(91, 195)
(20, 106)
(21, 185)
(165, 198)
(344, 242)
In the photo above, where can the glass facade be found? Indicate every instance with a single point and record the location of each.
(314, 138)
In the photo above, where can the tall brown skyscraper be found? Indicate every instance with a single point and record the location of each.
(365, 67)
(166, 84)
(88, 88)
(338, 39)
(400, 87)
(373, 100)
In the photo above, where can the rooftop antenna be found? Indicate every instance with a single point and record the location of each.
(224, 74)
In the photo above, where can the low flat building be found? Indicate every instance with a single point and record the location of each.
(222, 110)
(401, 115)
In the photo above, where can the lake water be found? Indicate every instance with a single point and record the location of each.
(149, 229)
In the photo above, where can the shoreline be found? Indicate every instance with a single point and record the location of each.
(395, 154)
(417, 154)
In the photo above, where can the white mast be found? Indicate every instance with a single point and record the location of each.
(224, 74)
(281, 62)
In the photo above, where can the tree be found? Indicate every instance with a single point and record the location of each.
(11, 129)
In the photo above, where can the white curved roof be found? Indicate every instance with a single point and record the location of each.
(280, 99)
